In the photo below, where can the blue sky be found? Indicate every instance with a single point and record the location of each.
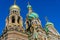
(49, 8)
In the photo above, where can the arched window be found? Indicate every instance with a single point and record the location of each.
(13, 19)
(18, 19)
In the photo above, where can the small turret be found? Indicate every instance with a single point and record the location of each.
(29, 7)
(49, 27)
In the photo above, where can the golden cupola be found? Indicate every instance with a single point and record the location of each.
(14, 6)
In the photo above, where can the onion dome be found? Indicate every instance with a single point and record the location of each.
(49, 23)
(14, 7)
(32, 15)
(29, 6)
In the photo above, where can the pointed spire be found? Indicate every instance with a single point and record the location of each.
(46, 19)
(14, 2)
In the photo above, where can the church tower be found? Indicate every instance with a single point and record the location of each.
(14, 25)
(14, 20)
(33, 24)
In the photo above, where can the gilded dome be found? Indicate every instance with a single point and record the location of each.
(14, 7)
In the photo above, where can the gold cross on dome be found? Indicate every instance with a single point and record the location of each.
(14, 2)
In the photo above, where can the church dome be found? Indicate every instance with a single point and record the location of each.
(32, 15)
(49, 23)
(14, 7)
(28, 6)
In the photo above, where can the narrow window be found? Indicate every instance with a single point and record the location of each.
(13, 19)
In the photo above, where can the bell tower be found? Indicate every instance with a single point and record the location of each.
(14, 20)
(14, 24)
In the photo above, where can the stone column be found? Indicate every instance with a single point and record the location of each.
(16, 17)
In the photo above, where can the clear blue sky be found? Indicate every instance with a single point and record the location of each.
(49, 8)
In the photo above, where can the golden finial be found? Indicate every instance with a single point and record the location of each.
(46, 19)
(14, 2)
